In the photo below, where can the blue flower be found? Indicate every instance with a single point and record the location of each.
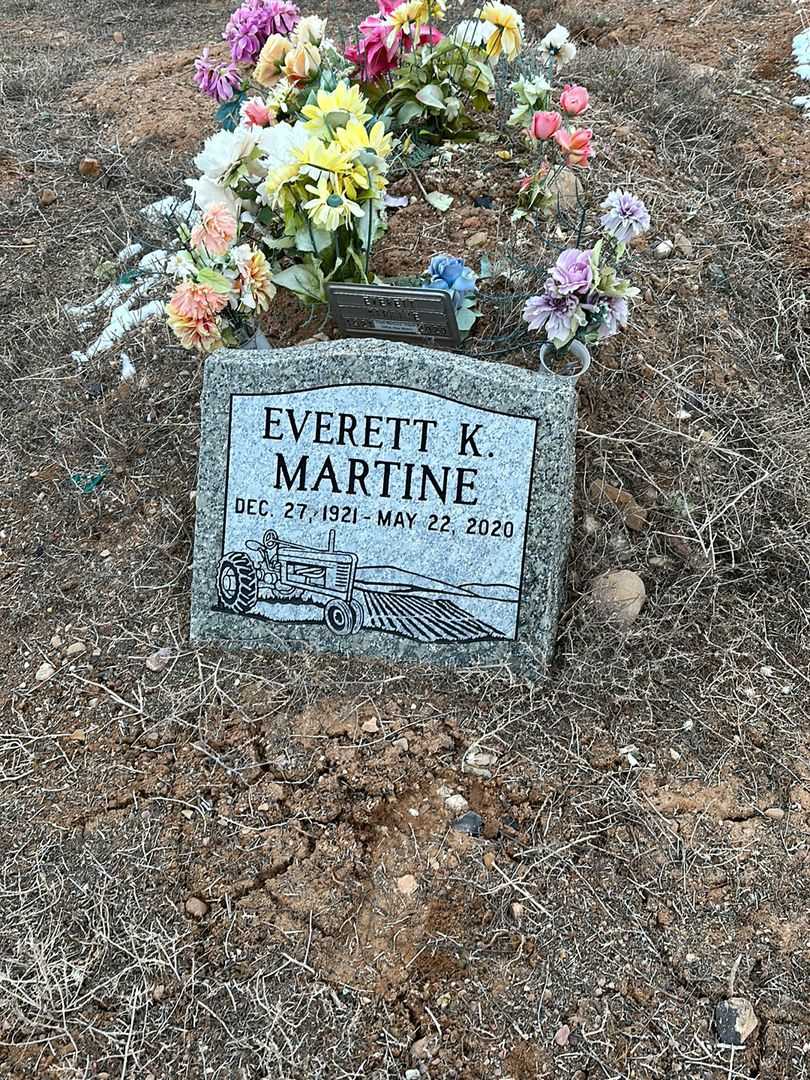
(451, 274)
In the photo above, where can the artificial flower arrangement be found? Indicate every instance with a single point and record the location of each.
(428, 81)
(309, 194)
(454, 276)
(585, 299)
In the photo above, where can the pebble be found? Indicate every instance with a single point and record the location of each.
(90, 168)
(734, 1020)
(477, 240)
(47, 197)
(44, 671)
(469, 823)
(476, 762)
(516, 910)
(775, 812)
(619, 596)
(75, 649)
(158, 660)
(56, 642)
(407, 884)
(563, 1035)
(456, 805)
(118, 37)
(400, 744)
(371, 727)
(489, 859)
(635, 516)
(196, 908)
(664, 249)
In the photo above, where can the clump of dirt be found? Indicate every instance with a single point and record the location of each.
(151, 101)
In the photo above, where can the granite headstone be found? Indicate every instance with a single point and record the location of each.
(380, 499)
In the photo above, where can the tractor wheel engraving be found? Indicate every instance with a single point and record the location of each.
(339, 617)
(237, 583)
(359, 615)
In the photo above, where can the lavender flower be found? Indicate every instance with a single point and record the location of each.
(219, 81)
(452, 274)
(626, 216)
(572, 272)
(615, 314)
(254, 22)
(560, 315)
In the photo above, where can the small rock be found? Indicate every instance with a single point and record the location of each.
(158, 660)
(477, 240)
(470, 222)
(469, 823)
(516, 910)
(476, 762)
(635, 516)
(90, 168)
(489, 859)
(118, 37)
(159, 992)
(420, 1049)
(664, 917)
(407, 884)
(44, 671)
(196, 908)
(413, 1074)
(47, 197)
(455, 805)
(563, 1035)
(590, 524)
(775, 812)
(56, 642)
(400, 744)
(371, 727)
(619, 596)
(664, 249)
(79, 735)
(684, 245)
(75, 649)
(734, 1020)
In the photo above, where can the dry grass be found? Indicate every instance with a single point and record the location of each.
(635, 864)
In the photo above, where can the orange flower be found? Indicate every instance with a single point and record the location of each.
(271, 60)
(301, 63)
(192, 315)
(575, 145)
(216, 230)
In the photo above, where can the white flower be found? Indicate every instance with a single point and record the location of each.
(206, 192)
(472, 32)
(309, 31)
(557, 44)
(279, 143)
(225, 149)
(180, 265)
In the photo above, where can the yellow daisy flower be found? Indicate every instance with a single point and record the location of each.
(276, 185)
(328, 209)
(412, 15)
(334, 109)
(507, 35)
(355, 136)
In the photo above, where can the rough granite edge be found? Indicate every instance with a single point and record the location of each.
(504, 388)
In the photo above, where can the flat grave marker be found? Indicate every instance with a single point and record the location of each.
(379, 499)
(397, 313)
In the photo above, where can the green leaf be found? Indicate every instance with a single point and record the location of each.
(228, 113)
(312, 239)
(439, 200)
(409, 111)
(304, 281)
(466, 318)
(432, 96)
(214, 280)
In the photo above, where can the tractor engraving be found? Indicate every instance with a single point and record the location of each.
(279, 571)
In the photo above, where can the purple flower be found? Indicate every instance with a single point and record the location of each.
(253, 23)
(626, 216)
(558, 314)
(219, 81)
(615, 313)
(572, 272)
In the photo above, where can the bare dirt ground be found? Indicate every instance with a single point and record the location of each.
(242, 866)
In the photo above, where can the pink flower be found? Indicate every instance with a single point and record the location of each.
(192, 315)
(576, 146)
(216, 230)
(544, 125)
(254, 111)
(377, 51)
(574, 99)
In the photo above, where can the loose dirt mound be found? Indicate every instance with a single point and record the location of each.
(150, 101)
